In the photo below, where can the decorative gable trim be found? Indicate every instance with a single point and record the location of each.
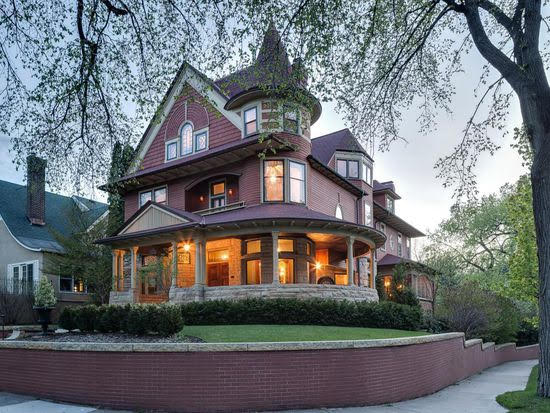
(202, 85)
(152, 217)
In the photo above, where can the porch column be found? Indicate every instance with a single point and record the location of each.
(371, 264)
(275, 237)
(349, 241)
(115, 270)
(174, 264)
(133, 269)
(204, 280)
(200, 262)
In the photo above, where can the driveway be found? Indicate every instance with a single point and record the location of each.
(473, 395)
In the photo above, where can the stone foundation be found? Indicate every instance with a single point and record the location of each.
(239, 292)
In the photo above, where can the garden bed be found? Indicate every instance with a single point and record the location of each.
(76, 337)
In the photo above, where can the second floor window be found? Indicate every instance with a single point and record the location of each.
(157, 195)
(274, 174)
(347, 168)
(382, 228)
(366, 173)
(297, 182)
(250, 121)
(186, 139)
(390, 204)
(217, 194)
(399, 245)
(408, 248)
(290, 119)
(368, 214)
(281, 174)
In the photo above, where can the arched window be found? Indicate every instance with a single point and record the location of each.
(339, 214)
(186, 139)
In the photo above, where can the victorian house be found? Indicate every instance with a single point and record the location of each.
(229, 196)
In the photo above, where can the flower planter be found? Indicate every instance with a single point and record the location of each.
(44, 318)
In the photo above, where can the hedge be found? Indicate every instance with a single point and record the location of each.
(167, 319)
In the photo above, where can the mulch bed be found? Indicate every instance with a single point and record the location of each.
(110, 338)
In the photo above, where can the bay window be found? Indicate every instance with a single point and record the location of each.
(348, 168)
(253, 272)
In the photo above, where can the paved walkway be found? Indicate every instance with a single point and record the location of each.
(473, 395)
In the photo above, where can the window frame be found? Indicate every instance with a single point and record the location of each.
(196, 134)
(390, 201)
(248, 241)
(18, 265)
(382, 228)
(399, 244)
(347, 161)
(152, 191)
(369, 221)
(286, 180)
(290, 178)
(259, 270)
(211, 197)
(245, 132)
(166, 145)
(73, 283)
(290, 109)
(190, 124)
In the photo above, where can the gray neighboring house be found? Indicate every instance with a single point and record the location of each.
(28, 214)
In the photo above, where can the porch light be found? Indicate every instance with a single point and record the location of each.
(386, 283)
(201, 198)
(318, 266)
(230, 191)
(186, 247)
(224, 257)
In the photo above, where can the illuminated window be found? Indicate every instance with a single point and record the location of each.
(308, 248)
(250, 121)
(274, 180)
(339, 214)
(253, 272)
(158, 195)
(171, 150)
(297, 182)
(218, 256)
(186, 139)
(254, 246)
(286, 271)
(290, 119)
(285, 245)
(217, 194)
(201, 141)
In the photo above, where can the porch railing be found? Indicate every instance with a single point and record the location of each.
(228, 207)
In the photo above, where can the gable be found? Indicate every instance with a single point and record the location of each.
(151, 218)
(191, 97)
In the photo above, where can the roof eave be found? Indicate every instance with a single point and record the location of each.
(333, 176)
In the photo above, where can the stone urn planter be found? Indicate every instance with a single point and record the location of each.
(44, 318)
(44, 302)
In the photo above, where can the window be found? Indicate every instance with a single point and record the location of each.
(250, 121)
(366, 173)
(382, 228)
(253, 272)
(399, 245)
(69, 284)
(408, 248)
(308, 248)
(201, 141)
(368, 214)
(285, 245)
(297, 182)
(390, 204)
(347, 168)
(217, 194)
(21, 277)
(391, 243)
(274, 181)
(254, 246)
(290, 119)
(186, 139)
(158, 195)
(339, 214)
(171, 150)
(218, 256)
(286, 271)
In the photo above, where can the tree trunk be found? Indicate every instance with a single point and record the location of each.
(536, 116)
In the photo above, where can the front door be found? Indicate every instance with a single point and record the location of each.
(218, 274)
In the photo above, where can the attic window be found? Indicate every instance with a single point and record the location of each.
(347, 168)
(250, 121)
(186, 139)
(390, 204)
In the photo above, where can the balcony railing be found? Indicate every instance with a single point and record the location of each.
(228, 207)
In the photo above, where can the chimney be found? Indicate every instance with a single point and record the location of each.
(36, 190)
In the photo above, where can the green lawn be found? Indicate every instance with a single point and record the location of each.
(525, 401)
(260, 332)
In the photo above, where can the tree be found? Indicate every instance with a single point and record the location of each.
(83, 258)
(120, 161)
(376, 58)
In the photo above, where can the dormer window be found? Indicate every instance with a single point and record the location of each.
(390, 204)
(290, 119)
(348, 168)
(186, 139)
(250, 121)
(366, 173)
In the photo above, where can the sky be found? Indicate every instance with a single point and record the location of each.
(409, 165)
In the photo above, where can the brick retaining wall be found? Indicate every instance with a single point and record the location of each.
(198, 379)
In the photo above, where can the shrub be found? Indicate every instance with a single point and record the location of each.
(433, 324)
(111, 318)
(527, 334)
(138, 320)
(85, 318)
(67, 319)
(168, 320)
(480, 313)
(44, 295)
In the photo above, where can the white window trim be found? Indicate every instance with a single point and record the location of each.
(198, 132)
(9, 273)
(171, 141)
(382, 228)
(286, 180)
(399, 244)
(369, 221)
(258, 114)
(152, 190)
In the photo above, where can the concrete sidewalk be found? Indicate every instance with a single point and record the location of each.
(473, 395)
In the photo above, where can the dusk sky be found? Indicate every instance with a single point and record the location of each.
(424, 201)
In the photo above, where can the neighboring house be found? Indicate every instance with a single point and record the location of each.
(28, 217)
(227, 223)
